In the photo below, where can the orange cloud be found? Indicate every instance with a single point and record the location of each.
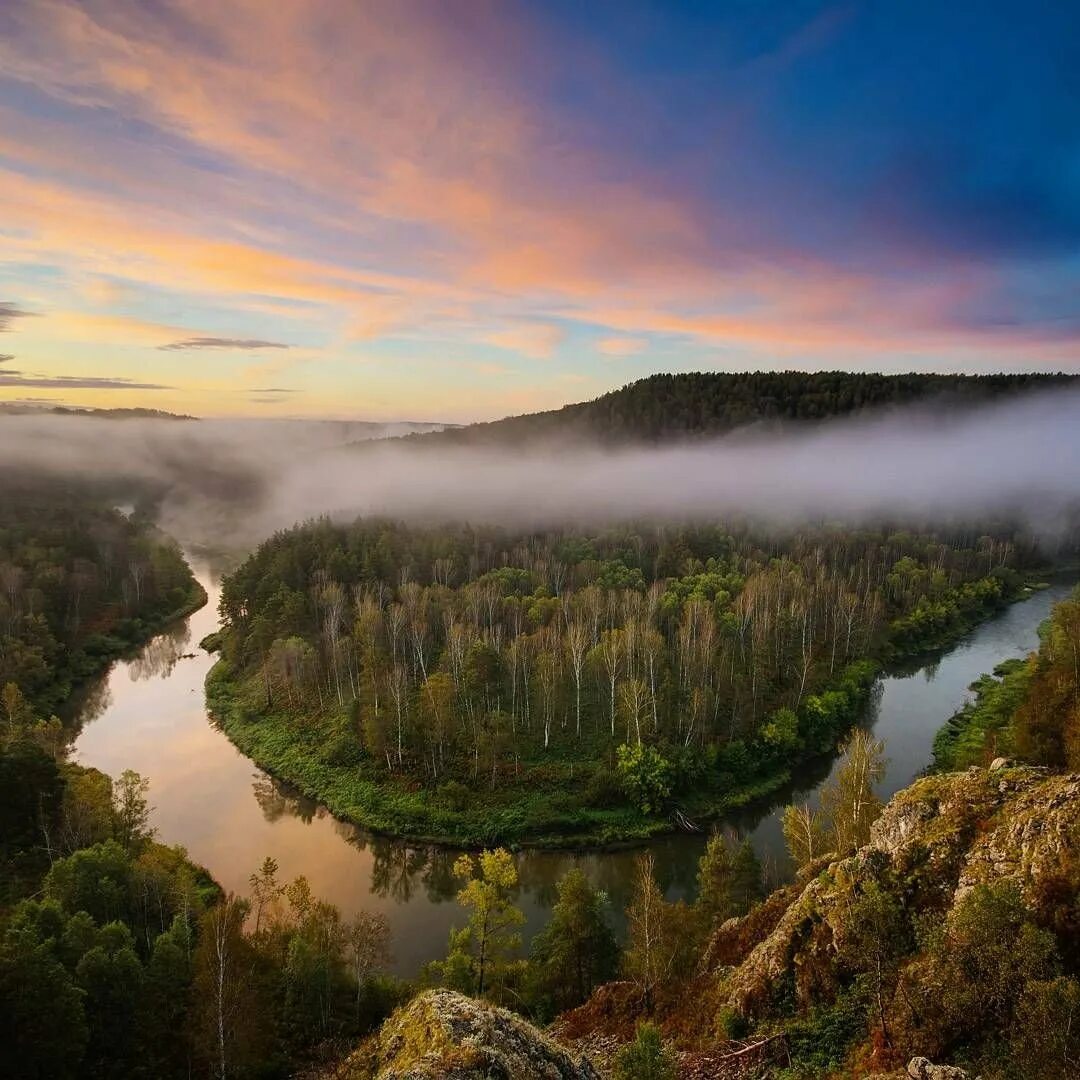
(537, 340)
(620, 346)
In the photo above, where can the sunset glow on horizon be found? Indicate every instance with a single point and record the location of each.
(449, 212)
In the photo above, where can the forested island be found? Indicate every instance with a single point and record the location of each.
(575, 686)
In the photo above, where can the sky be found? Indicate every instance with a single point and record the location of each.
(458, 210)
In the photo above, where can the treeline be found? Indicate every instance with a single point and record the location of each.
(702, 404)
(79, 583)
(1029, 708)
(626, 667)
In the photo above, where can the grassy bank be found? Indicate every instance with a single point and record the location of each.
(982, 728)
(560, 800)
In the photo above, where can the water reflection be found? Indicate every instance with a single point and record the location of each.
(91, 701)
(158, 657)
(148, 714)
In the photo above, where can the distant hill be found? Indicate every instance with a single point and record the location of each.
(17, 409)
(664, 408)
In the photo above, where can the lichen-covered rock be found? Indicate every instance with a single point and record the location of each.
(1039, 825)
(919, 1068)
(441, 1035)
(942, 836)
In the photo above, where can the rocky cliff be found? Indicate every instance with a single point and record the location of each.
(936, 840)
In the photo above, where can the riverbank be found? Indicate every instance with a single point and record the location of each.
(555, 807)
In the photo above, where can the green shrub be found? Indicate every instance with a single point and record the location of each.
(645, 1058)
(454, 795)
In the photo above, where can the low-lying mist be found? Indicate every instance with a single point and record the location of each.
(232, 483)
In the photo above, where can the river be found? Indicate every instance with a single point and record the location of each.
(147, 713)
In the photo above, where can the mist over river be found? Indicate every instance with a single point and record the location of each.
(148, 713)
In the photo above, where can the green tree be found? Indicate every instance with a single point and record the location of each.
(168, 988)
(43, 1030)
(31, 790)
(660, 944)
(747, 887)
(17, 713)
(265, 892)
(485, 947)
(230, 1018)
(576, 951)
(1046, 1035)
(874, 939)
(86, 809)
(97, 880)
(977, 966)
(805, 834)
(367, 946)
(131, 810)
(715, 902)
(111, 977)
(848, 800)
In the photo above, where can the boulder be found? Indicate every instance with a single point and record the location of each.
(919, 1068)
(441, 1035)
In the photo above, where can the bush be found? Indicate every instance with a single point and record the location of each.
(645, 1058)
(646, 776)
(604, 789)
(343, 751)
(454, 796)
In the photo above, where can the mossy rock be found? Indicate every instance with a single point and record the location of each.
(442, 1035)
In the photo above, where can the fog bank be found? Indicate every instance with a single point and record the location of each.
(236, 482)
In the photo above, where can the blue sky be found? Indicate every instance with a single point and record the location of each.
(455, 211)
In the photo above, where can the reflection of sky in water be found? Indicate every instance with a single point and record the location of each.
(148, 715)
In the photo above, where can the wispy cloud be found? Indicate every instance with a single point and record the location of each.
(5, 357)
(75, 382)
(222, 343)
(9, 312)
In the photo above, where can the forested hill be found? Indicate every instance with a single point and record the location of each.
(662, 408)
(14, 408)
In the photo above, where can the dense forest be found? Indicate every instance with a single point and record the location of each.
(80, 583)
(485, 685)
(702, 404)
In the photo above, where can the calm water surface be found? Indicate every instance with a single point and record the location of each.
(148, 714)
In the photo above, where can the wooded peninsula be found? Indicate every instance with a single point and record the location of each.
(570, 687)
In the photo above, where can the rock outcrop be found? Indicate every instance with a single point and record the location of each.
(441, 1035)
(944, 835)
(920, 1068)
